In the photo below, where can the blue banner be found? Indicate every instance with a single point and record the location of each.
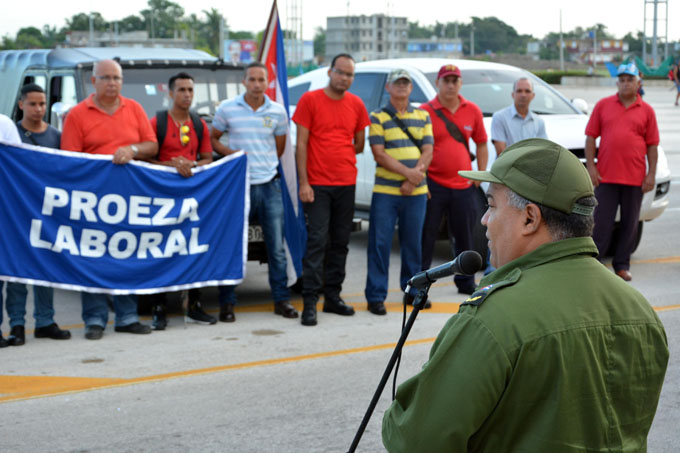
(77, 221)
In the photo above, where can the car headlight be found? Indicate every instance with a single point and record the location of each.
(662, 189)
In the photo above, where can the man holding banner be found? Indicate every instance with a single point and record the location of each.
(259, 126)
(108, 123)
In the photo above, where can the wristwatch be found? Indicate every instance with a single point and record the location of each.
(135, 150)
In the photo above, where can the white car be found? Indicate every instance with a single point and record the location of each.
(489, 85)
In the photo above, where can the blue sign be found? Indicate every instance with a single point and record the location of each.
(77, 221)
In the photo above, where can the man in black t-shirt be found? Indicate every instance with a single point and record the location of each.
(33, 131)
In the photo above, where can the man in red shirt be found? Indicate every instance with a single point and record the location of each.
(450, 192)
(181, 148)
(626, 164)
(330, 133)
(108, 123)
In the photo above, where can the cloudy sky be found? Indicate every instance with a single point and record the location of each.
(535, 17)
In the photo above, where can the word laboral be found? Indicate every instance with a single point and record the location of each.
(112, 209)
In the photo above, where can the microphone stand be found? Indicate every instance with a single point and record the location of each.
(418, 302)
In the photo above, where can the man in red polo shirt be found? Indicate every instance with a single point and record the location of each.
(331, 126)
(626, 164)
(454, 121)
(181, 148)
(108, 123)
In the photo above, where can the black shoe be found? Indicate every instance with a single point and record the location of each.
(308, 315)
(286, 310)
(469, 289)
(52, 331)
(227, 313)
(377, 308)
(196, 314)
(338, 306)
(135, 327)
(159, 321)
(3, 342)
(16, 337)
(408, 300)
(94, 332)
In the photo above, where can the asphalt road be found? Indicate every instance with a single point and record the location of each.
(268, 384)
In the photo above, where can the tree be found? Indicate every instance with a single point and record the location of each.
(319, 42)
(132, 23)
(241, 35)
(162, 17)
(211, 29)
(29, 38)
(81, 22)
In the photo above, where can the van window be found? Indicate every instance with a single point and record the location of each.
(368, 86)
(295, 93)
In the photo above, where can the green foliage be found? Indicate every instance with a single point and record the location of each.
(319, 42)
(241, 35)
(81, 22)
(555, 77)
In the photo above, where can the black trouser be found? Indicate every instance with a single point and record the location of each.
(459, 204)
(160, 298)
(609, 198)
(329, 220)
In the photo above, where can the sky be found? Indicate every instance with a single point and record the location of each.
(534, 17)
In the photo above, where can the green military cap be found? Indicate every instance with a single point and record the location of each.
(543, 172)
(397, 74)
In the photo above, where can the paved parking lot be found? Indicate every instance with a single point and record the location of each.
(268, 384)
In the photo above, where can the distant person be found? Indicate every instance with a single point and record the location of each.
(108, 123)
(259, 126)
(401, 141)
(184, 143)
(454, 121)
(626, 164)
(10, 136)
(331, 126)
(553, 353)
(675, 73)
(515, 123)
(33, 130)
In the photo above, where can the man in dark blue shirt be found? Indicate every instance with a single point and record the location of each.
(33, 131)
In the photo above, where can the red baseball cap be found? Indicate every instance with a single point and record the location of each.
(447, 70)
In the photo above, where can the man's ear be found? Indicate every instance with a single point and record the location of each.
(532, 219)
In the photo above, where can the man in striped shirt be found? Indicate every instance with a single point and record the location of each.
(401, 140)
(257, 125)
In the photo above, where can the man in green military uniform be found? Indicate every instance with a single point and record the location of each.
(552, 352)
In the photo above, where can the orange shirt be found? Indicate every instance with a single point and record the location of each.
(172, 147)
(89, 129)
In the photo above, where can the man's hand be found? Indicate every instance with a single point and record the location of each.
(407, 188)
(415, 175)
(306, 193)
(594, 175)
(649, 183)
(123, 155)
(183, 165)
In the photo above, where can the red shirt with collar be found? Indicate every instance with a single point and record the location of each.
(625, 135)
(451, 156)
(172, 146)
(89, 129)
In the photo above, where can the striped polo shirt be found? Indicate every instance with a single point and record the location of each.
(384, 131)
(253, 131)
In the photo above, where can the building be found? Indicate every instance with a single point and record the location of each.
(366, 37)
(127, 39)
(606, 50)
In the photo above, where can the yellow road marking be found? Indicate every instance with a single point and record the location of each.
(15, 388)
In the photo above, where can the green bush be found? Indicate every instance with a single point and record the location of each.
(555, 77)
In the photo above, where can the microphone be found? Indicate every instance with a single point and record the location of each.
(467, 263)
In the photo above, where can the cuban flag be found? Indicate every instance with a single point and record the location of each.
(295, 231)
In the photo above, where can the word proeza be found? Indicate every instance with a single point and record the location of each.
(114, 209)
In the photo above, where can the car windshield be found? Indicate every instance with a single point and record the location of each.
(149, 87)
(491, 90)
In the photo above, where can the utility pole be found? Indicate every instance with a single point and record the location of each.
(561, 45)
(472, 39)
(655, 60)
(91, 31)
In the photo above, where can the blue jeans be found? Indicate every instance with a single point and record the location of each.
(43, 308)
(386, 211)
(266, 204)
(96, 311)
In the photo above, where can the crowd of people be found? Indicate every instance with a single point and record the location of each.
(418, 151)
